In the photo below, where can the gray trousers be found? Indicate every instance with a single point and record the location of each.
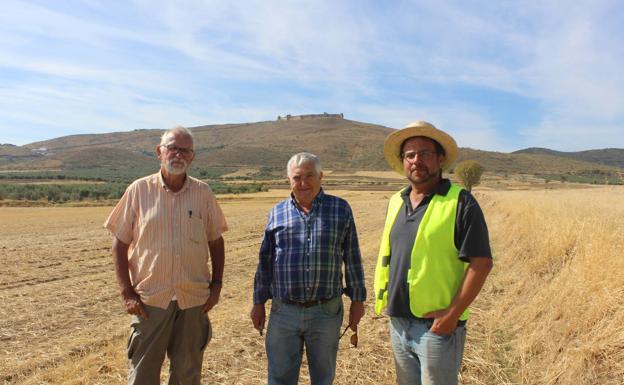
(181, 334)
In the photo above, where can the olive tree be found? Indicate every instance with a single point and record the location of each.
(469, 173)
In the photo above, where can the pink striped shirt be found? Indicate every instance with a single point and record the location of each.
(168, 234)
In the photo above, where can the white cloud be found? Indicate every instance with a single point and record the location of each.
(468, 126)
(145, 63)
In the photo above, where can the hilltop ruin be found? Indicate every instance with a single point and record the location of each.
(311, 116)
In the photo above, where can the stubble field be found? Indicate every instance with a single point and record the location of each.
(551, 313)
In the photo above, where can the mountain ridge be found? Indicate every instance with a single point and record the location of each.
(341, 144)
(610, 156)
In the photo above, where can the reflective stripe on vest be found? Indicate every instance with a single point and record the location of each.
(435, 272)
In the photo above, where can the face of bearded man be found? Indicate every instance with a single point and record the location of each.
(175, 166)
(176, 154)
(421, 162)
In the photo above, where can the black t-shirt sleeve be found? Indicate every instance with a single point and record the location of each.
(471, 233)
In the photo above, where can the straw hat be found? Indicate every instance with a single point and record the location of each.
(394, 141)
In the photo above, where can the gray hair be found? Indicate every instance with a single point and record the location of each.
(177, 130)
(301, 158)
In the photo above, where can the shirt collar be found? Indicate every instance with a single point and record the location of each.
(316, 202)
(441, 189)
(166, 188)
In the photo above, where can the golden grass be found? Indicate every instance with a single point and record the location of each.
(550, 314)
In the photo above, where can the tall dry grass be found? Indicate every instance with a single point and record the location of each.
(553, 311)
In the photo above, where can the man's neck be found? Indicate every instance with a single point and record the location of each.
(172, 181)
(420, 190)
(306, 207)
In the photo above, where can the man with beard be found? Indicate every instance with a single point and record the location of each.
(433, 259)
(165, 227)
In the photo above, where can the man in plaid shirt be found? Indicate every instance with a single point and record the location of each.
(307, 240)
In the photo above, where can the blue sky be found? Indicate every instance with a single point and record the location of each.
(497, 75)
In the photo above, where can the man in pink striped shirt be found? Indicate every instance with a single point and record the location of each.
(165, 227)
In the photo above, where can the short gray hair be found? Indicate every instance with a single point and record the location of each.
(177, 130)
(301, 158)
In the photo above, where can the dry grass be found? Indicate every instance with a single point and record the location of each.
(551, 313)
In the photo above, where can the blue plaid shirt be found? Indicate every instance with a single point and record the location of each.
(301, 255)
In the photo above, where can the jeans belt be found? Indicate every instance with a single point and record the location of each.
(429, 321)
(305, 303)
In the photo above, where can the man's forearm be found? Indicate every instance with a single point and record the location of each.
(217, 258)
(120, 259)
(474, 279)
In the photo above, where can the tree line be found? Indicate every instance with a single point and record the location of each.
(59, 193)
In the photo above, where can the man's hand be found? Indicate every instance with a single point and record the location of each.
(131, 300)
(258, 316)
(444, 323)
(445, 320)
(356, 312)
(213, 298)
(132, 303)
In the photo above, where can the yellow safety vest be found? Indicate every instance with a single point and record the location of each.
(435, 272)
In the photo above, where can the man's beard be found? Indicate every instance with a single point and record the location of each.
(425, 175)
(174, 167)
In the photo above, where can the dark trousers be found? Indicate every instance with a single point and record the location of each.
(181, 334)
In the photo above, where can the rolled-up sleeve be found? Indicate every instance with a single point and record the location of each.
(264, 271)
(354, 271)
(216, 224)
(121, 220)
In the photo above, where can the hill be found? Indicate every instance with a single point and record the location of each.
(266, 146)
(609, 156)
(341, 143)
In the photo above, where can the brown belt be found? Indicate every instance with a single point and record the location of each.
(305, 303)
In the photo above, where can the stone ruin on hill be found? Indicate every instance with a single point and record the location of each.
(311, 116)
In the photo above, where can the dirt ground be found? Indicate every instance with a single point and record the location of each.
(61, 320)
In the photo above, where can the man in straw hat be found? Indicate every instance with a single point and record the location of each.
(433, 259)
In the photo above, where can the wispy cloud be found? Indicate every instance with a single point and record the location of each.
(500, 76)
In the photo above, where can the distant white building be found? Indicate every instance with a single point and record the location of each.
(311, 116)
(40, 150)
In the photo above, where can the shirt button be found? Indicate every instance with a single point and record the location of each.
(307, 288)
(307, 270)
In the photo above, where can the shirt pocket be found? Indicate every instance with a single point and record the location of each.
(197, 230)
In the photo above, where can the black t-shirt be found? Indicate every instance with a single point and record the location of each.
(471, 239)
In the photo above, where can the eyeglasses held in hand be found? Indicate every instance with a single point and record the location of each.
(353, 339)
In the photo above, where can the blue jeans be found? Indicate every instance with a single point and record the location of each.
(422, 357)
(290, 327)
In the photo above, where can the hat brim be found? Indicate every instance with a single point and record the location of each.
(393, 142)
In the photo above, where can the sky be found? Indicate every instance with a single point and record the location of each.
(496, 75)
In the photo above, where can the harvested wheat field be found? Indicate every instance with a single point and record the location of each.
(551, 312)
